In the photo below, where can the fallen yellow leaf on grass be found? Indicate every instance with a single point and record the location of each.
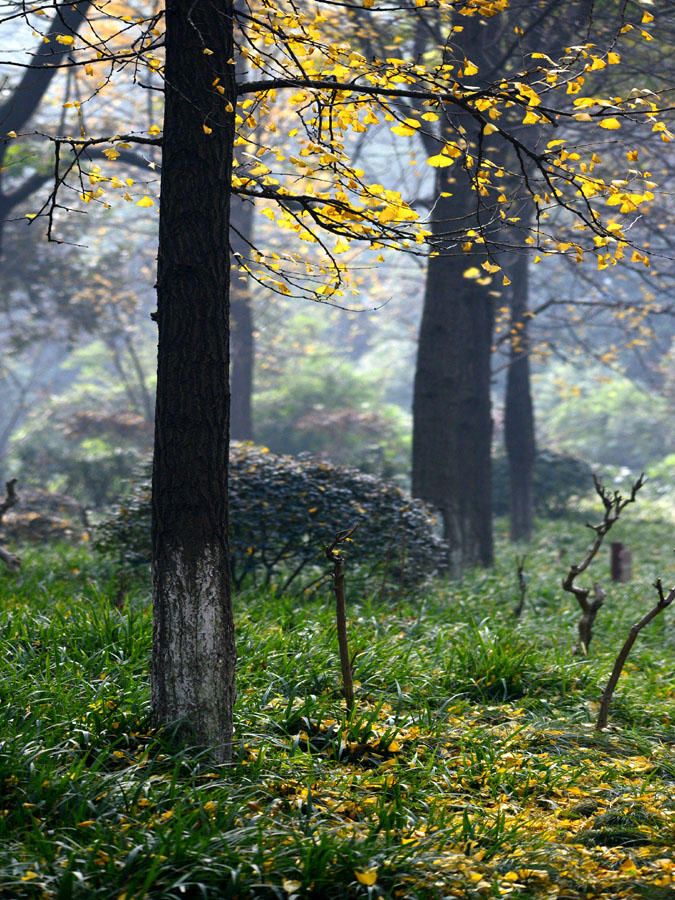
(367, 878)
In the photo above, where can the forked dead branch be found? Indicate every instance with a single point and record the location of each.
(614, 503)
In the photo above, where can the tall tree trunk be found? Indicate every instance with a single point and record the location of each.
(193, 661)
(452, 425)
(518, 412)
(451, 407)
(242, 344)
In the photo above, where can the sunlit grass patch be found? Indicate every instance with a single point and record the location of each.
(469, 767)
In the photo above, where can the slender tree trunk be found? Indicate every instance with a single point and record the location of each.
(193, 662)
(518, 413)
(242, 343)
(452, 425)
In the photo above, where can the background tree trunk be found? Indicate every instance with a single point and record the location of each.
(193, 662)
(452, 425)
(242, 343)
(518, 410)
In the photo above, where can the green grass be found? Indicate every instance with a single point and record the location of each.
(470, 767)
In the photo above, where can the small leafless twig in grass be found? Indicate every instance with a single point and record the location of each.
(664, 602)
(522, 585)
(338, 574)
(614, 504)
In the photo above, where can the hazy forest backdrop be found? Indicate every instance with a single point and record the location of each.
(440, 233)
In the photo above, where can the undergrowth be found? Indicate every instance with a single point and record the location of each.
(470, 767)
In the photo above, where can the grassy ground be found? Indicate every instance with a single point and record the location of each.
(469, 769)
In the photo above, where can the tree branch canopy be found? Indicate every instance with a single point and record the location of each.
(295, 71)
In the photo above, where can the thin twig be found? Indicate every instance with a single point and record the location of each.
(522, 585)
(614, 503)
(664, 602)
(338, 574)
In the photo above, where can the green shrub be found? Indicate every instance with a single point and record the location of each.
(283, 507)
(557, 479)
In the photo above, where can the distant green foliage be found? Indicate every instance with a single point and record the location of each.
(283, 507)
(94, 470)
(558, 478)
(607, 421)
(340, 414)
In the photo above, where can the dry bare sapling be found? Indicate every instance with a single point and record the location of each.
(663, 602)
(614, 503)
(334, 556)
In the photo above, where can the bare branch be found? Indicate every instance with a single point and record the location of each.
(613, 504)
(663, 602)
(338, 575)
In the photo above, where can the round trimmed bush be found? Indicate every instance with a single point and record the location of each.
(281, 510)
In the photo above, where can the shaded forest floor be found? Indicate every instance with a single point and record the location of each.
(470, 768)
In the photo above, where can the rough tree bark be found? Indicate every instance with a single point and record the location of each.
(451, 407)
(193, 663)
(242, 343)
(518, 410)
(452, 425)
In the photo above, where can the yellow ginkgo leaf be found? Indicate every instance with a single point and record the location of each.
(440, 161)
(403, 130)
(367, 878)
(473, 272)
(146, 201)
(489, 267)
(610, 123)
(206, 129)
